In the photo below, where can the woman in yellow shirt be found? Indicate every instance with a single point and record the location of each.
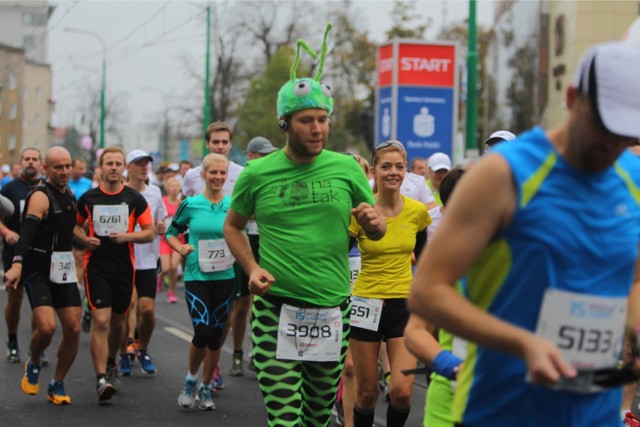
(379, 308)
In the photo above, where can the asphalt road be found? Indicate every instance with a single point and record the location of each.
(144, 400)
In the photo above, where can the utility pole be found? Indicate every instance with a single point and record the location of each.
(103, 85)
(207, 88)
(472, 82)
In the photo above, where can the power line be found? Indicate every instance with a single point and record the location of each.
(53, 26)
(155, 40)
(140, 27)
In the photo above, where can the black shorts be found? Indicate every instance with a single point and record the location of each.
(393, 320)
(44, 293)
(108, 288)
(146, 283)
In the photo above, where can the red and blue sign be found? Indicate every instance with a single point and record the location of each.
(417, 90)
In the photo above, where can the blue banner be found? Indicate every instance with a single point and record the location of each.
(384, 131)
(425, 120)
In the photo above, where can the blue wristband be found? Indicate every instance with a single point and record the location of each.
(445, 364)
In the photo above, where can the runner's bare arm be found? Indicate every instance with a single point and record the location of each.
(371, 220)
(482, 204)
(259, 279)
(145, 235)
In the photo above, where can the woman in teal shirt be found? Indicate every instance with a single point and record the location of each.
(208, 276)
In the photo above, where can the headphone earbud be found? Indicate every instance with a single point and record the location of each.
(282, 124)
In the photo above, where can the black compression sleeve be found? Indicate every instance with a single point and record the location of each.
(421, 240)
(352, 241)
(27, 234)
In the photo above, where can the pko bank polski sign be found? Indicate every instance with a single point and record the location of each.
(416, 96)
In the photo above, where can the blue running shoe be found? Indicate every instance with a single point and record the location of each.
(29, 381)
(188, 396)
(57, 395)
(124, 365)
(217, 382)
(205, 401)
(146, 363)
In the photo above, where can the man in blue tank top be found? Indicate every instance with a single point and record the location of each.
(545, 231)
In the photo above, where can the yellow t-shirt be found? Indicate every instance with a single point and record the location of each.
(386, 263)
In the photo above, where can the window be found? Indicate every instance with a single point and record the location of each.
(25, 94)
(34, 19)
(25, 121)
(29, 42)
(38, 94)
(13, 81)
(0, 109)
(36, 120)
(11, 142)
(13, 111)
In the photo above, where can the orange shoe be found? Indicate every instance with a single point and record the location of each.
(57, 395)
(29, 381)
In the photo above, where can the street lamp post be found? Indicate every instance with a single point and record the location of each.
(104, 75)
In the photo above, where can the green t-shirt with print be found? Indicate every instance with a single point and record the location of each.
(303, 213)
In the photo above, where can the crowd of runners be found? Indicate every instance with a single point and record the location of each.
(512, 281)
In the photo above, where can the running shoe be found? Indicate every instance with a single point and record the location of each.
(30, 379)
(217, 382)
(112, 377)
(13, 352)
(146, 363)
(86, 321)
(630, 420)
(236, 366)
(188, 396)
(205, 401)
(124, 365)
(57, 395)
(104, 389)
(171, 298)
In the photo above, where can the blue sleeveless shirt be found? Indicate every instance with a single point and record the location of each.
(572, 230)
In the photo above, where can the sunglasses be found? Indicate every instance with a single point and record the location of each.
(390, 143)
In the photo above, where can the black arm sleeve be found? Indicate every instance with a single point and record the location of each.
(421, 240)
(352, 241)
(30, 227)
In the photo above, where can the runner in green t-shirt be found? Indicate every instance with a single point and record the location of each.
(302, 198)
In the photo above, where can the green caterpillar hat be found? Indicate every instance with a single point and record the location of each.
(301, 94)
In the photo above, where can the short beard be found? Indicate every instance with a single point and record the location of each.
(30, 173)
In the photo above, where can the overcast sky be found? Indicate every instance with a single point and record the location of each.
(146, 40)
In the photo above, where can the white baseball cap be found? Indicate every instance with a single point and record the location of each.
(499, 136)
(608, 74)
(439, 161)
(137, 155)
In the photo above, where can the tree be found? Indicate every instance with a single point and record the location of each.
(522, 92)
(257, 116)
(351, 71)
(406, 21)
(116, 117)
(458, 32)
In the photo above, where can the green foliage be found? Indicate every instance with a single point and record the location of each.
(257, 114)
(407, 22)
